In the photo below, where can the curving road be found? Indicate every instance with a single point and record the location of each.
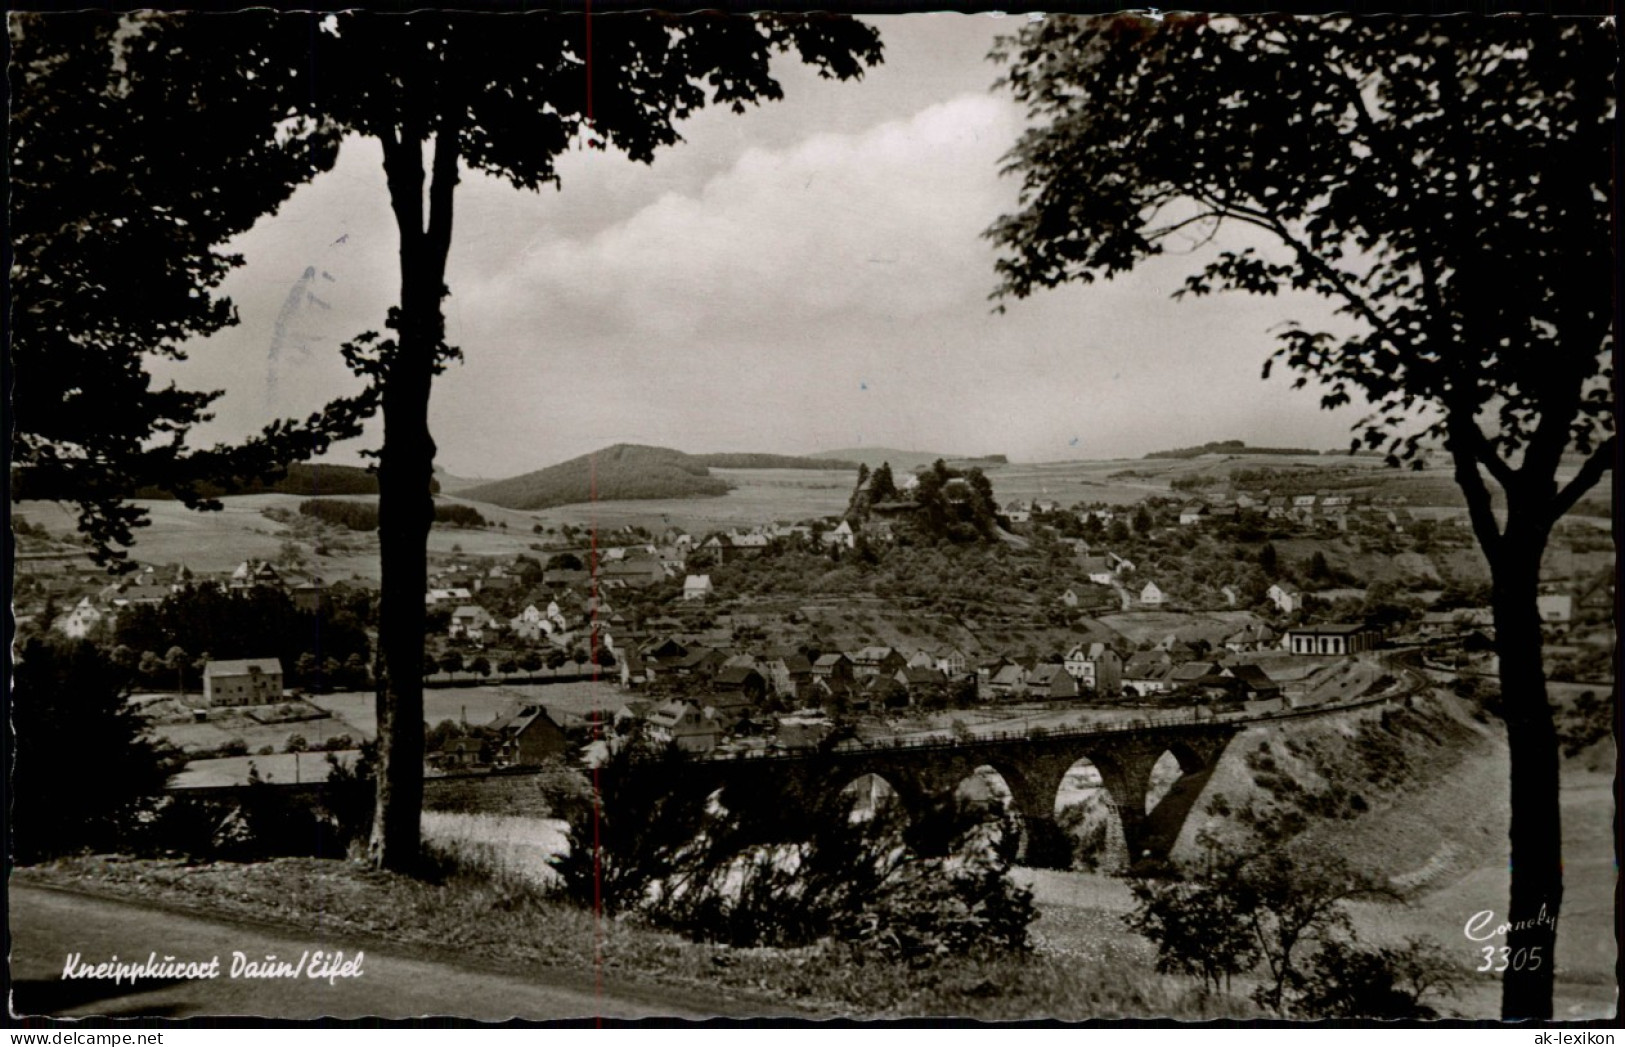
(47, 926)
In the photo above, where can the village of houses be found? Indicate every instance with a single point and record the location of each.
(556, 650)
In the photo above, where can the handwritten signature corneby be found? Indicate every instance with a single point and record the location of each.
(1481, 927)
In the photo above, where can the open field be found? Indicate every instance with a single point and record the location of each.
(478, 704)
(279, 768)
(218, 541)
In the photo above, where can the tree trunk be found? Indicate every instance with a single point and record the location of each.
(405, 511)
(1535, 833)
(405, 502)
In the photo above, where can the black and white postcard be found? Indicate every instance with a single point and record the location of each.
(645, 515)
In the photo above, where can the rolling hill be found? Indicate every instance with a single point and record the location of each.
(630, 472)
(619, 473)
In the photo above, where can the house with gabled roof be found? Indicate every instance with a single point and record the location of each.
(877, 661)
(841, 535)
(243, 681)
(1147, 672)
(1097, 666)
(528, 737)
(697, 587)
(1259, 684)
(684, 725)
(744, 679)
(1097, 569)
(1188, 674)
(920, 678)
(834, 672)
(82, 620)
(469, 622)
(787, 670)
(1256, 636)
(1009, 680)
(1048, 680)
(951, 660)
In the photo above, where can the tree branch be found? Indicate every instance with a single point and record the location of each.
(1600, 461)
(444, 181)
(1271, 223)
(1464, 434)
(1504, 474)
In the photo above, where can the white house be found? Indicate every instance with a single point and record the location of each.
(1285, 598)
(531, 625)
(1097, 569)
(842, 535)
(1555, 608)
(1120, 564)
(435, 597)
(1097, 666)
(697, 587)
(81, 621)
(1151, 596)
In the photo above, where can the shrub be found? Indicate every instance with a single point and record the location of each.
(1347, 980)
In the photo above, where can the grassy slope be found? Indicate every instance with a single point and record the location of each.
(500, 922)
(1440, 834)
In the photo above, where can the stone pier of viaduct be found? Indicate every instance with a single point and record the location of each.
(1031, 765)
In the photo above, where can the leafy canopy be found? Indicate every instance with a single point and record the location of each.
(1445, 182)
(139, 145)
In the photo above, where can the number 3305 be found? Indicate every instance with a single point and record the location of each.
(1523, 959)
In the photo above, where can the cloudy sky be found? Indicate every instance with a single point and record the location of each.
(807, 276)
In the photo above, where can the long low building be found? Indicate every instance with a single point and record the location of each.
(1332, 638)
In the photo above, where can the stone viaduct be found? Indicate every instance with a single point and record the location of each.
(1032, 766)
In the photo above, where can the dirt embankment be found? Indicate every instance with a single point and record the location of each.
(1408, 791)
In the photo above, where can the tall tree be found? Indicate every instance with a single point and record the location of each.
(139, 145)
(1446, 185)
(505, 95)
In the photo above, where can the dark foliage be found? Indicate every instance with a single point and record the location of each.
(748, 460)
(357, 516)
(84, 769)
(1227, 447)
(255, 623)
(1347, 980)
(1281, 910)
(459, 515)
(310, 480)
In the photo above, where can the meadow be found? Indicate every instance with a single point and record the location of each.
(218, 541)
